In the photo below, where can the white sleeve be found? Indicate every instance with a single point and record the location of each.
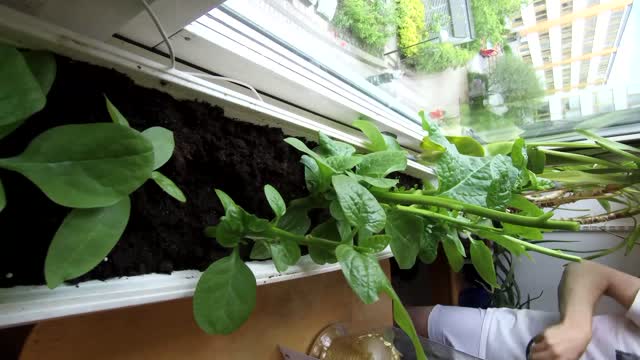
(634, 311)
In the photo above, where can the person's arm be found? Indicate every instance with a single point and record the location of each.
(581, 287)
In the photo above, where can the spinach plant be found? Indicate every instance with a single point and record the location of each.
(598, 169)
(91, 168)
(87, 235)
(368, 212)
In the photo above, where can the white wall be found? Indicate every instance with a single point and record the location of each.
(544, 273)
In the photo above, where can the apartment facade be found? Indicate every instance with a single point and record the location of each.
(572, 44)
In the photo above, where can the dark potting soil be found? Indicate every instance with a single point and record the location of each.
(163, 235)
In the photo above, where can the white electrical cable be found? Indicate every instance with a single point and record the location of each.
(172, 55)
(207, 76)
(165, 38)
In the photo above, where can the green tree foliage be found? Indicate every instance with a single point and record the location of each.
(410, 18)
(489, 16)
(370, 21)
(518, 84)
(437, 57)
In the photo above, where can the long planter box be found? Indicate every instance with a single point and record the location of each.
(26, 304)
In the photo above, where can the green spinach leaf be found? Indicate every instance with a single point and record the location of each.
(402, 318)
(606, 205)
(515, 249)
(452, 235)
(359, 206)
(168, 186)
(380, 164)
(43, 67)
(344, 228)
(231, 228)
(5, 130)
(456, 261)
(295, 220)
(467, 145)
(526, 208)
(487, 181)
(537, 160)
(407, 232)
(86, 166)
(519, 155)
(363, 273)
(20, 93)
(375, 243)
(382, 183)
(163, 144)
(115, 114)
(376, 141)
(84, 239)
(318, 176)
(329, 147)
(275, 200)
(429, 246)
(225, 295)
(366, 278)
(225, 199)
(342, 163)
(484, 181)
(315, 181)
(319, 254)
(392, 143)
(506, 180)
(482, 260)
(260, 251)
(284, 253)
(325, 169)
(431, 150)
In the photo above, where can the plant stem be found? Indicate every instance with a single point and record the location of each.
(564, 145)
(278, 233)
(565, 196)
(450, 219)
(607, 217)
(308, 202)
(537, 222)
(583, 158)
(543, 250)
(525, 244)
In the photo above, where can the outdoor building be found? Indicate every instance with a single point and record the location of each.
(574, 45)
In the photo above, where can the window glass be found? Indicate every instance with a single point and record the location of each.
(494, 69)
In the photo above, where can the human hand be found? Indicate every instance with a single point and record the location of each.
(564, 341)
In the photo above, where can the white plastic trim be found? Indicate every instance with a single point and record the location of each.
(253, 46)
(27, 304)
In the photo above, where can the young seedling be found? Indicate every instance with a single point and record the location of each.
(91, 168)
(87, 235)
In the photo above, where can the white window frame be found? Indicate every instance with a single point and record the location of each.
(229, 47)
(249, 56)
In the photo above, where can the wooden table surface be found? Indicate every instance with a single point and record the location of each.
(290, 313)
